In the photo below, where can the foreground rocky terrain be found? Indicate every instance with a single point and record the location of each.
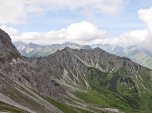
(72, 81)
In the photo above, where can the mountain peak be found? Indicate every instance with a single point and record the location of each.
(69, 43)
(7, 49)
(97, 49)
(67, 48)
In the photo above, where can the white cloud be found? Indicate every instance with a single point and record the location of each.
(12, 11)
(146, 16)
(136, 37)
(82, 33)
(141, 38)
(18, 11)
(9, 30)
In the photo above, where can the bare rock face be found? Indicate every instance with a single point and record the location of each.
(7, 49)
(22, 87)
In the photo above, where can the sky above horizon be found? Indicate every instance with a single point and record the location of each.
(114, 22)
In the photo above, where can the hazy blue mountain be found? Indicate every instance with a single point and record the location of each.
(35, 50)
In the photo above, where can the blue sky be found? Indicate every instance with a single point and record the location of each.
(126, 19)
(109, 19)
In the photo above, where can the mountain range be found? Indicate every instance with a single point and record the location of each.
(35, 50)
(72, 81)
(138, 55)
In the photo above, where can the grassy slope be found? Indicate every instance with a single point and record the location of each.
(64, 107)
(107, 92)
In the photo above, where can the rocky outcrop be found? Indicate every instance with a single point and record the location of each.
(7, 49)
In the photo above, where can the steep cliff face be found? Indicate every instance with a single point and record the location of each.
(7, 49)
(21, 85)
(71, 80)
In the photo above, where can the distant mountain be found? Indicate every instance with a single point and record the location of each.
(72, 81)
(35, 50)
(138, 55)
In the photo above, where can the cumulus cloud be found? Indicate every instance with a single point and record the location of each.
(82, 33)
(146, 16)
(18, 11)
(141, 38)
(136, 37)
(9, 30)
